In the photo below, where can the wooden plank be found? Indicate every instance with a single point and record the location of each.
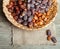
(6, 47)
(29, 47)
(2, 16)
(58, 33)
(52, 47)
(5, 33)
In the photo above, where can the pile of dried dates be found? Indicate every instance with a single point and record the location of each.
(30, 13)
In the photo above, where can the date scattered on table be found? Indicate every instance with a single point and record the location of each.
(50, 37)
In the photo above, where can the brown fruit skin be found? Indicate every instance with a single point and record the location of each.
(15, 17)
(30, 25)
(53, 39)
(48, 32)
(39, 15)
(11, 4)
(33, 20)
(35, 17)
(48, 38)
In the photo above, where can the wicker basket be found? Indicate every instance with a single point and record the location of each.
(11, 19)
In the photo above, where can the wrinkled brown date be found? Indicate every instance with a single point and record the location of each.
(53, 39)
(48, 32)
